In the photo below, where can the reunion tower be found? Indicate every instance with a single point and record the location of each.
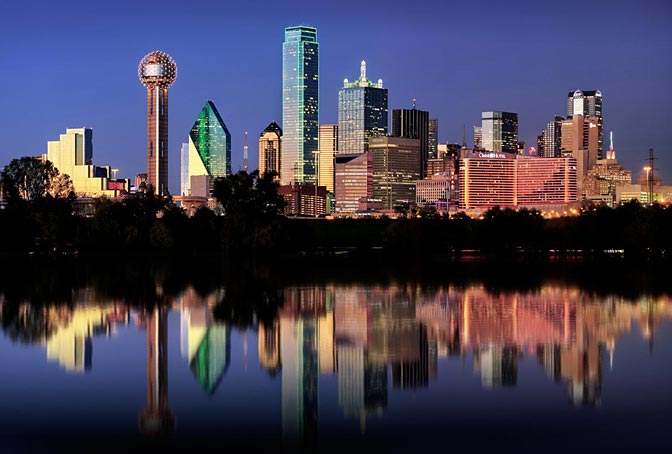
(157, 71)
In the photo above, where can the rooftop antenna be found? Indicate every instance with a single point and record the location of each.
(413, 103)
(245, 153)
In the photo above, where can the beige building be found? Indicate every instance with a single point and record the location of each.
(72, 155)
(270, 149)
(602, 180)
(327, 148)
(580, 140)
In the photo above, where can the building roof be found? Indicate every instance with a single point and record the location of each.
(273, 127)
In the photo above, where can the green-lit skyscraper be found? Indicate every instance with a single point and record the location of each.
(300, 104)
(209, 145)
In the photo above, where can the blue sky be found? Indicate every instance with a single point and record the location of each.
(74, 63)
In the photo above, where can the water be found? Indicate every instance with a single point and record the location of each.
(340, 366)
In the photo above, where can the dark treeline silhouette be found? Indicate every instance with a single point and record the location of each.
(251, 225)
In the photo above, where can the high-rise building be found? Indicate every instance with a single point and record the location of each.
(157, 71)
(550, 144)
(270, 149)
(300, 104)
(353, 180)
(184, 169)
(362, 113)
(395, 169)
(500, 132)
(209, 145)
(478, 138)
(433, 137)
(72, 155)
(413, 124)
(508, 180)
(580, 139)
(327, 149)
(588, 104)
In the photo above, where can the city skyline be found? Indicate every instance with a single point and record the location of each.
(112, 103)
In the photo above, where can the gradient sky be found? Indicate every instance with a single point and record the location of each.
(74, 63)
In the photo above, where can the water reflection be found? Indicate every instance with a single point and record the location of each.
(372, 339)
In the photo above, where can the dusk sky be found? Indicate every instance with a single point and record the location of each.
(68, 64)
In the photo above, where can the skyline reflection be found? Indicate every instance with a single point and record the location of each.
(366, 342)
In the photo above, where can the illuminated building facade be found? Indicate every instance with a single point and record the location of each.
(353, 180)
(270, 149)
(435, 190)
(549, 144)
(601, 182)
(588, 104)
(499, 132)
(304, 199)
(433, 139)
(362, 113)
(328, 147)
(478, 138)
(395, 169)
(300, 104)
(72, 155)
(184, 169)
(510, 181)
(157, 71)
(413, 124)
(209, 145)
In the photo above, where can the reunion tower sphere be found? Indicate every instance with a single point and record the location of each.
(157, 69)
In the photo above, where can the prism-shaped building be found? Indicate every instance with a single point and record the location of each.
(209, 146)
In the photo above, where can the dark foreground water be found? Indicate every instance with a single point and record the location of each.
(382, 365)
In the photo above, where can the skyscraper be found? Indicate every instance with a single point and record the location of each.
(478, 138)
(300, 104)
(270, 149)
(157, 71)
(433, 137)
(413, 124)
(362, 113)
(500, 131)
(209, 145)
(328, 147)
(549, 146)
(588, 104)
(395, 169)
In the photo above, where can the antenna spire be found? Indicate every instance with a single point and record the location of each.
(413, 103)
(245, 163)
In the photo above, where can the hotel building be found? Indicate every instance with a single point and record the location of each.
(511, 181)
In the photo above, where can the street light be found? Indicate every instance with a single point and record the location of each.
(649, 189)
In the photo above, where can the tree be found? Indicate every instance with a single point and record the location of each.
(249, 195)
(62, 187)
(28, 178)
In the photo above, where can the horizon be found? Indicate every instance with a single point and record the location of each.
(93, 82)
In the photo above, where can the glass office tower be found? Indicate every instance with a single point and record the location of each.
(362, 113)
(209, 145)
(300, 104)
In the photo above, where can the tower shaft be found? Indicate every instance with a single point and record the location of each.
(157, 139)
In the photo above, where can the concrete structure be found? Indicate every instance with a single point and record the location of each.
(270, 149)
(499, 132)
(434, 190)
(327, 149)
(601, 181)
(72, 155)
(478, 138)
(157, 71)
(511, 181)
(300, 104)
(395, 169)
(362, 113)
(549, 145)
(353, 180)
(184, 169)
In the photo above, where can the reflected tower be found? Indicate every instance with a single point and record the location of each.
(157, 418)
(157, 71)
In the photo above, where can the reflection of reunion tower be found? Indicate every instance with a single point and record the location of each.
(157, 418)
(157, 71)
